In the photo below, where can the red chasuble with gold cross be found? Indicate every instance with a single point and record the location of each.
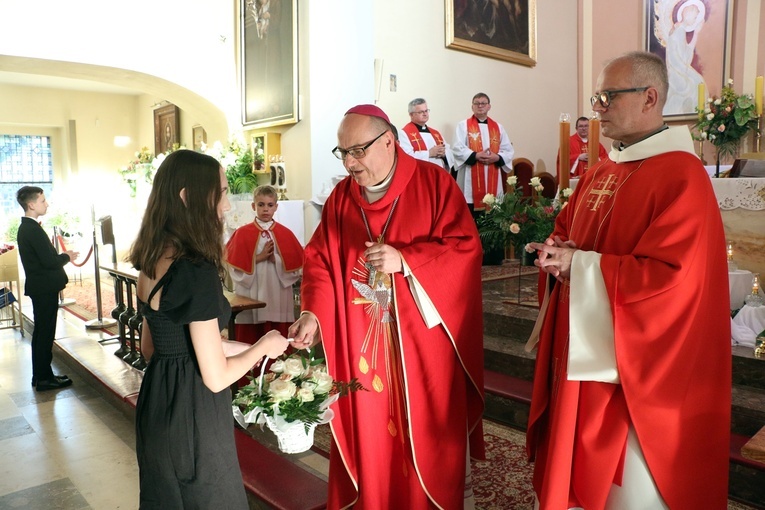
(402, 443)
(655, 221)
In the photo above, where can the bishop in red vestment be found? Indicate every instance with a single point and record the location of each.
(632, 387)
(392, 288)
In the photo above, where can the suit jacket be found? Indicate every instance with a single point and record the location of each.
(43, 266)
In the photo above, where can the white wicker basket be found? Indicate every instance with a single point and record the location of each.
(294, 439)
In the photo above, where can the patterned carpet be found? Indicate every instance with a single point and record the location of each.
(501, 482)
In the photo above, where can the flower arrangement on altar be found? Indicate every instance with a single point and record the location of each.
(141, 167)
(291, 399)
(516, 220)
(238, 161)
(725, 120)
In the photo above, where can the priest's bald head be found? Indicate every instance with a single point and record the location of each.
(366, 144)
(630, 96)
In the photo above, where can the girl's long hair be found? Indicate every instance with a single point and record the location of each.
(191, 229)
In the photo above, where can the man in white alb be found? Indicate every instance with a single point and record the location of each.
(482, 154)
(427, 143)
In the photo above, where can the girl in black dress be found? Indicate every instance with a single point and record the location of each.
(184, 423)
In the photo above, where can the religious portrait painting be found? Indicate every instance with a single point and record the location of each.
(167, 132)
(501, 29)
(268, 65)
(693, 38)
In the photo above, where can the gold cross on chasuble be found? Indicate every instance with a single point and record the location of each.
(603, 189)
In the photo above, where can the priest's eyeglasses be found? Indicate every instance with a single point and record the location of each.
(605, 97)
(357, 152)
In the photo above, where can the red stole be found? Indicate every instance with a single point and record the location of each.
(657, 225)
(478, 179)
(438, 371)
(240, 249)
(413, 132)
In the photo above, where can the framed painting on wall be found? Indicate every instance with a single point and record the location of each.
(501, 30)
(167, 130)
(199, 135)
(268, 62)
(693, 38)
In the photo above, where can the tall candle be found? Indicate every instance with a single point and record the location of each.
(702, 99)
(758, 95)
(593, 142)
(563, 162)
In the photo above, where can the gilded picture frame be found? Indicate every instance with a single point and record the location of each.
(693, 37)
(167, 128)
(268, 51)
(504, 31)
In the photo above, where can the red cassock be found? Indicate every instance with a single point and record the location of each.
(657, 225)
(402, 443)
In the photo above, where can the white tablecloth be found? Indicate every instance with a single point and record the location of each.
(747, 324)
(739, 284)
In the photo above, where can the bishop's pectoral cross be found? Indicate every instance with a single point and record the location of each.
(598, 195)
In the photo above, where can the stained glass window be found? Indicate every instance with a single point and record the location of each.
(24, 161)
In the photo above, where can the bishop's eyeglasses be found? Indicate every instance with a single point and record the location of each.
(605, 97)
(356, 152)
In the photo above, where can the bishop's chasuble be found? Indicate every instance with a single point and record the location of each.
(413, 341)
(638, 343)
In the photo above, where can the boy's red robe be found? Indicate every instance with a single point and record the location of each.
(664, 265)
(441, 368)
(240, 249)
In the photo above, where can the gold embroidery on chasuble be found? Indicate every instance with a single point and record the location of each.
(376, 296)
(376, 291)
(603, 190)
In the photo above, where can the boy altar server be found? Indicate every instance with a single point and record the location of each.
(265, 259)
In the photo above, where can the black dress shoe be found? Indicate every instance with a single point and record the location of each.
(53, 384)
(59, 377)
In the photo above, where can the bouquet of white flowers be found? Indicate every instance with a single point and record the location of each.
(291, 399)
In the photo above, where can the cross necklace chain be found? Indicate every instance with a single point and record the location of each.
(381, 238)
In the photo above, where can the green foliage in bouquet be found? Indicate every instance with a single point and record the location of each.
(296, 388)
(516, 220)
(725, 120)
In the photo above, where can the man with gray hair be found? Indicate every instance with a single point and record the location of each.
(629, 409)
(427, 143)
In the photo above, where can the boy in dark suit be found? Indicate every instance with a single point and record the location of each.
(45, 278)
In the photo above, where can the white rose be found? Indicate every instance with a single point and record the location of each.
(512, 180)
(710, 116)
(535, 182)
(703, 135)
(567, 192)
(718, 101)
(730, 81)
(539, 188)
(515, 228)
(305, 395)
(489, 199)
(323, 382)
(282, 390)
(277, 366)
(293, 366)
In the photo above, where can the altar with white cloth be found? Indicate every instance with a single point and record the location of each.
(747, 324)
(742, 206)
(289, 213)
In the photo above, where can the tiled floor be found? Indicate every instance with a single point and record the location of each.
(64, 449)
